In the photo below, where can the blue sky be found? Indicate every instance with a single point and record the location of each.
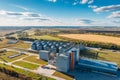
(59, 12)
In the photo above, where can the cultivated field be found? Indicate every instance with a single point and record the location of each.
(109, 56)
(35, 59)
(92, 37)
(45, 37)
(7, 31)
(26, 65)
(20, 44)
(5, 56)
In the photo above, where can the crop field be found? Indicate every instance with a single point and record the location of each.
(4, 56)
(112, 57)
(6, 31)
(31, 31)
(22, 44)
(35, 60)
(26, 65)
(45, 37)
(19, 44)
(92, 37)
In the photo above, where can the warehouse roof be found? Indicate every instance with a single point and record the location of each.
(98, 63)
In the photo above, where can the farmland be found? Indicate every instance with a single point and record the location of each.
(30, 62)
(4, 31)
(45, 37)
(26, 65)
(92, 37)
(20, 44)
(35, 60)
(6, 55)
(109, 56)
(43, 34)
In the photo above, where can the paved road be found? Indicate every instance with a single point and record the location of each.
(48, 72)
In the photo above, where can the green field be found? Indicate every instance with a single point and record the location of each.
(61, 75)
(4, 56)
(46, 37)
(113, 57)
(26, 65)
(14, 35)
(35, 60)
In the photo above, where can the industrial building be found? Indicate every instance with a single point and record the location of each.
(52, 46)
(98, 65)
(44, 55)
(65, 57)
(62, 63)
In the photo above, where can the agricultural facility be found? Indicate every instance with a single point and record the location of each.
(98, 65)
(65, 57)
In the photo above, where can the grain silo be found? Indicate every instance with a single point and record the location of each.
(44, 54)
(63, 63)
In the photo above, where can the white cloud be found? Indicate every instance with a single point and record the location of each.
(11, 18)
(115, 15)
(3, 12)
(52, 0)
(27, 14)
(75, 3)
(26, 18)
(92, 6)
(107, 8)
(116, 21)
(96, 22)
(87, 1)
(20, 14)
(90, 2)
(84, 1)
